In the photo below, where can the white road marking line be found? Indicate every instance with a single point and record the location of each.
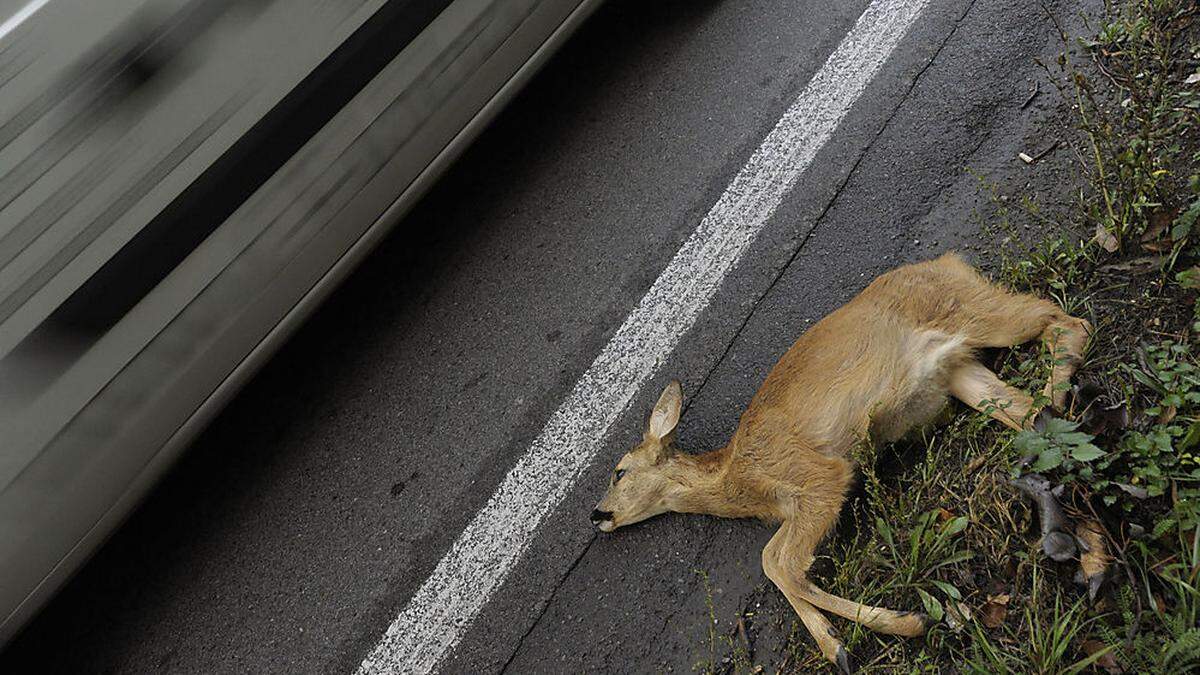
(21, 16)
(442, 609)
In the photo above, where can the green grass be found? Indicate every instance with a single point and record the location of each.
(1044, 643)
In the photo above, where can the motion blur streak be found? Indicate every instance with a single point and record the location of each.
(19, 18)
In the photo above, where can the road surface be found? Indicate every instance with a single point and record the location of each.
(303, 522)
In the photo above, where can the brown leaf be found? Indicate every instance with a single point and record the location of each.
(1157, 237)
(974, 465)
(944, 515)
(995, 610)
(1167, 414)
(1108, 662)
(957, 615)
(1093, 563)
(1106, 239)
(741, 627)
(1160, 224)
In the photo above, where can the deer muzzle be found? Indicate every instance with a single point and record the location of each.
(602, 520)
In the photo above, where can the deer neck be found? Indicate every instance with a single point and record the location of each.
(701, 484)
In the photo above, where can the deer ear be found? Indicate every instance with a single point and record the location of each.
(665, 416)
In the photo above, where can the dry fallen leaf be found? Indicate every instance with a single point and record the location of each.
(1105, 239)
(995, 610)
(1093, 564)
(1193, 78)
(1108, 662)
(957, 615)
(973, 465)
(1157, 236)
(1168, 414)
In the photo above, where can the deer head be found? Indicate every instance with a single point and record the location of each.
(641, 485)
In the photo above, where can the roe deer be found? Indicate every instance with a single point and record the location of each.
(879, 366)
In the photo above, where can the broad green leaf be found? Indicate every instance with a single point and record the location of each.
(1086, 453)
(1189, 278)
(950, 591)
(1050, 458)
(952, 560)
(1146, 380)
(885, 531)
(1075, 438)
(932, 607)
(1057, 425)
(955, 525)
(1185, 221)
(1030, 442)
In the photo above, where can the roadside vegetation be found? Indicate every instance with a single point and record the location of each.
(939, 523)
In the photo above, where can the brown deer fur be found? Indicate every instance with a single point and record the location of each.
(881, 365)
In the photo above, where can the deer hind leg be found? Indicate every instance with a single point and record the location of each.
(1067, 339)
(786, 560)
(978, 387)
(1012, 319)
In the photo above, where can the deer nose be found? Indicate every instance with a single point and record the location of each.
(599, 516)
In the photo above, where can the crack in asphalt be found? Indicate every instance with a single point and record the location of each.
(549, 601)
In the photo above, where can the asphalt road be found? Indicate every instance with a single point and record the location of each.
(302, 521)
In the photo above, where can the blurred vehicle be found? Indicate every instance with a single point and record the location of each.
(181, 183)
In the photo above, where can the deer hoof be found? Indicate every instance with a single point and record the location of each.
(843, 661)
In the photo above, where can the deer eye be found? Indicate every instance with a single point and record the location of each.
(617, 475)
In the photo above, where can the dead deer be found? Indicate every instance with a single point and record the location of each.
(878, 367)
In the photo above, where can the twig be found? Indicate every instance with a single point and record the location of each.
(1047, 151)
(1037, 89)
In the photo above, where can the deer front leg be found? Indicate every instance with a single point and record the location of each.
(818, 626)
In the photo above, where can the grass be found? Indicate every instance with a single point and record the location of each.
(936, 524)
(1043, 643)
